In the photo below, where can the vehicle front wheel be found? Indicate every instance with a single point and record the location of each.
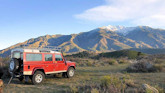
(70, 72)
(38, 77)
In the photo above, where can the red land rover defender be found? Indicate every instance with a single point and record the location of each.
(36, 63)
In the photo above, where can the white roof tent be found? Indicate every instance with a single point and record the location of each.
(40, 49)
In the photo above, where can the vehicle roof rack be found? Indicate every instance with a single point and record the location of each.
(40, 47)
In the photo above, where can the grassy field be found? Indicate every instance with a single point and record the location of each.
(84, 76)
(99, 73)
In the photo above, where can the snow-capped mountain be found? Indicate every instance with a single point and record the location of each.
(112, 28)
(119, 29)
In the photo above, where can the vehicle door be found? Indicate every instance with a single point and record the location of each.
(60, 64)
(48, 61)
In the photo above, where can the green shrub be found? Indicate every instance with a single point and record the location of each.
(123, 61)
(112, 84)
(89, 63)
(161, 90)
(94, 90)
(110, 61)
(73, 89)
(106, 81)
(106, 84)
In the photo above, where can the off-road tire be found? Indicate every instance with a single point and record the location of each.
(70, 73)
(38, 77)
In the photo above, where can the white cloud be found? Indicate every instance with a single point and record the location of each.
(154, 20)
(140, 12)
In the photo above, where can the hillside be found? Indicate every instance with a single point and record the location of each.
(131, 54)
(102, 39)
(150, 50)
(122, 53)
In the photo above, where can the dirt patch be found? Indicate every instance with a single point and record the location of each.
(1, 90)
(1, 83)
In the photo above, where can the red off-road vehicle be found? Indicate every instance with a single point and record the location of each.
(36, 63)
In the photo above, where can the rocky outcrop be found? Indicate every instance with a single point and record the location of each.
(149, 89)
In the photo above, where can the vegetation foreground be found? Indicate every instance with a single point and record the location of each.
(101, 74)
(87, 80)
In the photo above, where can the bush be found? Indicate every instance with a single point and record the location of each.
(106, 84)
(111, 84)
(89, 64)
(123, 61)
(74, 89)
(94, 90)
(158, 67)
(145, 67)
(110, 61)
(140, 67)
(161, 90)
(105, 81)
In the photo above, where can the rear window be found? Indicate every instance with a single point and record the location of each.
(16, 55)
(58, 58)
(33, 57)
(48, 57)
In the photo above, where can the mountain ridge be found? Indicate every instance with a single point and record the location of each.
(101, 39)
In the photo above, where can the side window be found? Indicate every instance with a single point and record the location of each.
(48, 57)
(58, 58)
(33, 57)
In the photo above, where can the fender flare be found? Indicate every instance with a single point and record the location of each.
(37, 68)
(71, 66)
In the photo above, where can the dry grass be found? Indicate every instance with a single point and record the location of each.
(92, 74)
(87, 79)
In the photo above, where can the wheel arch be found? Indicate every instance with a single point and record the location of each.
(38, 69)
(71, 66)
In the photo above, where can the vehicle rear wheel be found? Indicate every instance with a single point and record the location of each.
(38, 77)
(70, 72)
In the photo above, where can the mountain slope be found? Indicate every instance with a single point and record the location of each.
(102, 39)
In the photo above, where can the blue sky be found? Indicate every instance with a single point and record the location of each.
(24, 19)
